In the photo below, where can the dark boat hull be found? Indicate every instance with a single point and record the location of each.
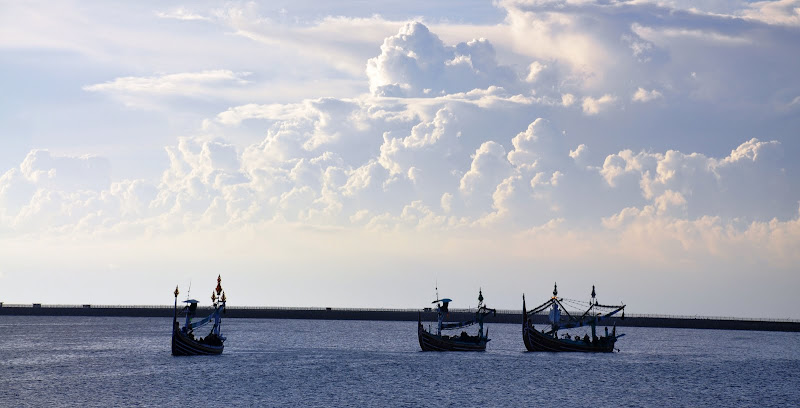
(538, 341)
(432, 342)
(186, 345)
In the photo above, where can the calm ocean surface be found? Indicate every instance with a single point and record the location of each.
(99, 361)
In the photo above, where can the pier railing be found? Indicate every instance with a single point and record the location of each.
(389, 310)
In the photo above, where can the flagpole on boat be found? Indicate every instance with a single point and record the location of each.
(175, 309)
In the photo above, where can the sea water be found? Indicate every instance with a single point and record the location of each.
(103, 361)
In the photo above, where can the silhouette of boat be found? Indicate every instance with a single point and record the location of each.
(548, 340)
(430, 341)
(184, 342)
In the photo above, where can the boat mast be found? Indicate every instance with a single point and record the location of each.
(594, 315)
(555, 313)
(439, 311)
(480, 316)
(218, 306)
(524, 310)
(175, 309)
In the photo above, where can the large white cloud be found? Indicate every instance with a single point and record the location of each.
(415, 62)
(329, 159)
(750, 182)
(630, 140)
(618, 47)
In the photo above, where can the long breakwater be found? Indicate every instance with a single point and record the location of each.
(326, 313)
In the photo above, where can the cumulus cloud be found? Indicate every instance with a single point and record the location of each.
(43, 169)
(488, 167)
(643, 95)
(50, 192)
(660, 44)
(440, 149)
(213, 183)
(483, 139)
(398, 154)
(537, 147)
(415, 62)
(577, 135)
(592, 106)
(745, 182)
(579, 153)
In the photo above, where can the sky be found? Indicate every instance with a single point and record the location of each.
(360, 155)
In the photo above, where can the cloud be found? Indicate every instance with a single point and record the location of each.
(592, 106)
(643, 95)
(774, 12)
(43, 169)
(488, 167)
(415, 62)
(427, 148)
(653, 234)
(195, 84)
(536, 148)
(579, 153)
(181, 13)
(603, 48)
(744, 183)
(528, 146)
(471, 154)
(339, 42)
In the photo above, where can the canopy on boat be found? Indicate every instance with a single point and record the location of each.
(190, 301)
(457, 325)
(201, 322)
(445, 300)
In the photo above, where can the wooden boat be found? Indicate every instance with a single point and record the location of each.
(429, 341)
(184, 342)
(548, 339)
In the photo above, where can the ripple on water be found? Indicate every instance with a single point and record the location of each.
(98, 361)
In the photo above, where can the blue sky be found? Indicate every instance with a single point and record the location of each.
(324, 155)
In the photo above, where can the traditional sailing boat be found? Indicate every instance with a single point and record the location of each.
(184, 343)
(548, 340)
(430, 341)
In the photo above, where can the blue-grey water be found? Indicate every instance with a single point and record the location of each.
(100, 361)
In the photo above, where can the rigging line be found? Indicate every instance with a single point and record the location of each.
(575, 301)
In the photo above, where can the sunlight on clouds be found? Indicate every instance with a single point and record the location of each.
(592, 106)
(643, 95)
(415, 62)
(183, 83)
(572, 135)
(181, 13)
(140, 91)
(774, 12)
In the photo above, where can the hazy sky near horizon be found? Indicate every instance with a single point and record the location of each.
(317, 154)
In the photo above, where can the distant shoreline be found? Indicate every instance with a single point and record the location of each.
(506, 316)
